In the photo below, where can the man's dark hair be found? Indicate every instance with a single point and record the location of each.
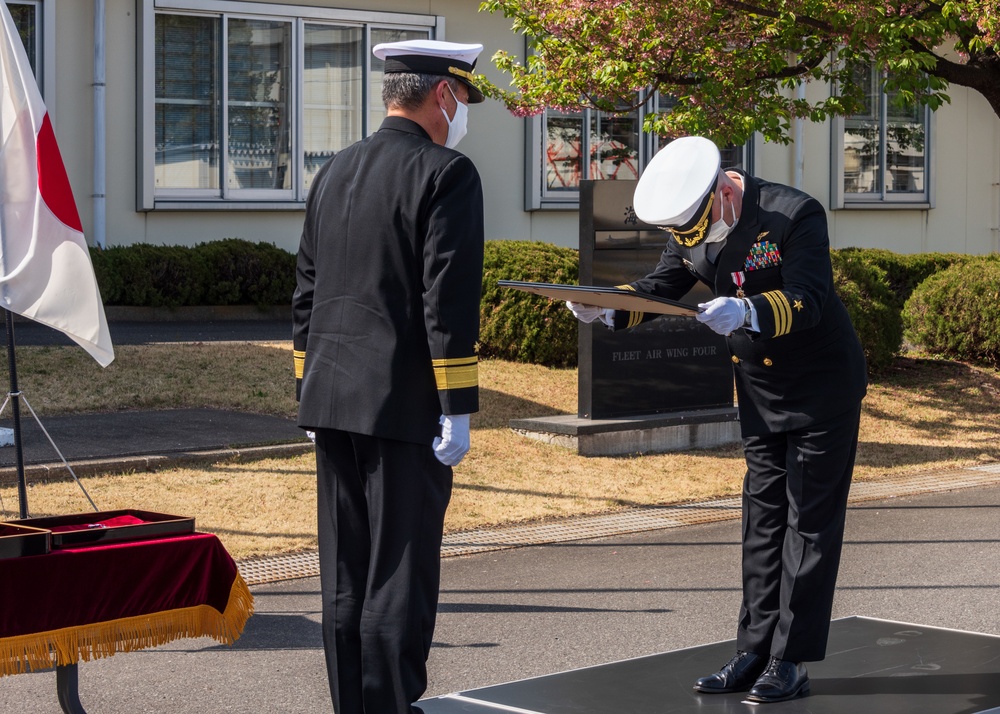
(408, 90)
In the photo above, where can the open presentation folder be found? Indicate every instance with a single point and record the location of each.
(616, 298)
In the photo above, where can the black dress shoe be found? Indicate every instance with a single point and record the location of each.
(737, 675)
(781, 680)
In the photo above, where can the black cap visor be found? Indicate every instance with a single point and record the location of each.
(443, 66)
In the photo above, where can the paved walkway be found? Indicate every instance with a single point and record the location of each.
(265, 328)
(527, 601)
(931, 559)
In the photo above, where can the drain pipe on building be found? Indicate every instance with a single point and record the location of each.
(99, 126)
(800, 160)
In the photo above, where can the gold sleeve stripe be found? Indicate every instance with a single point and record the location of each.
(299, 358)
(782, 312)
(457, 373)
(634, 317)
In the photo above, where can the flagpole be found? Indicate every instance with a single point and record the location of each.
(15, 401)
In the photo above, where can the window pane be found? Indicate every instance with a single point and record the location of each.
(377, 109)
(904, 145)
(187, 102)
(26, 21)
(731, 157)
(563, 156)
(862, 138)
(332, 88)
(614, 145)
(259, 133)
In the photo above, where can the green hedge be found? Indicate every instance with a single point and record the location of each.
(516, 325)
(956, 312)
(904, 272)
(948, 301)
(864, 288)
(248, 274)
(225, 272)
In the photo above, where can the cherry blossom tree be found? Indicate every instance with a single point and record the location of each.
(732, 66)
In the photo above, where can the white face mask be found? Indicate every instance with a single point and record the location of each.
(720, 229)
(459, 124)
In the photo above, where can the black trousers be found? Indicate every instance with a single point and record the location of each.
(381, 517)
(794, 508)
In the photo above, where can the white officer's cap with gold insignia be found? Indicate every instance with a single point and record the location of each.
(676, 190)
(448, 59)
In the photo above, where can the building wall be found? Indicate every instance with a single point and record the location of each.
(965, 151)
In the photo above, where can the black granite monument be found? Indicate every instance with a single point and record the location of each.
(670, 364)
(665, 385)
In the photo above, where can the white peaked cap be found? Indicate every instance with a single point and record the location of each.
(429, 48)
(674, 188)
(449, 59)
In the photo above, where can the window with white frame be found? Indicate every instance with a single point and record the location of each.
(27, 19)
(882, 155)
(242, 103)
(565, 148)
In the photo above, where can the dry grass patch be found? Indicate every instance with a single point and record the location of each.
(923, 415)
(252, 377)
(259, 508)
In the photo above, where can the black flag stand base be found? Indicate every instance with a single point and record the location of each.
(14, 396)
(67, 676)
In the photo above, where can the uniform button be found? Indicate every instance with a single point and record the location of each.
(736, 360)
(768, 362)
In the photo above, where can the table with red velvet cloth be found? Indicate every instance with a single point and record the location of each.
(94, 601)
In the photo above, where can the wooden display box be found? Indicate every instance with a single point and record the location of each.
(17, 540)
(93, 528)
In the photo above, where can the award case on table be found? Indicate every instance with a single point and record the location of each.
(80, 529)
(19, 540)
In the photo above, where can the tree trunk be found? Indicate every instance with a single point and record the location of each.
(982, 73)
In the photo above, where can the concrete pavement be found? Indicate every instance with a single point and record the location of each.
(932, 559)
(215, 327)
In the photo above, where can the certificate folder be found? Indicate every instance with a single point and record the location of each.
(616, 298)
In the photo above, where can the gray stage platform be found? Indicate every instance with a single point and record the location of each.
(872, 667)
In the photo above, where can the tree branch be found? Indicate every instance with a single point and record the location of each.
(943, 68)
(805, 64)
(799, 19)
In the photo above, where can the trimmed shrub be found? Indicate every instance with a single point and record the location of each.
(520, 327)
(151, 275)
(864, 289)
(904, 273)
(956, 312)
(224, 272)
(245, 273)
(110, 280)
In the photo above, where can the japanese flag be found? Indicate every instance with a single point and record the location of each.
(45, 269)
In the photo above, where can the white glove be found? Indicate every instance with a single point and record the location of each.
(453, 444)
(723, 315)
(311, 435)
(589, 313)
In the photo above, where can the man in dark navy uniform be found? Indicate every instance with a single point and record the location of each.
(386, 319)
(764, 250)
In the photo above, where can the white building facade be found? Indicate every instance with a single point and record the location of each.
(217, 114)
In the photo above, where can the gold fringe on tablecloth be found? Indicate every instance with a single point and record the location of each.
(44, 650)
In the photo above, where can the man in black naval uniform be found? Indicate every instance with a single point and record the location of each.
(800, 372)
(386, 319)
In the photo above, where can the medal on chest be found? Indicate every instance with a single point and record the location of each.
(738, 279)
